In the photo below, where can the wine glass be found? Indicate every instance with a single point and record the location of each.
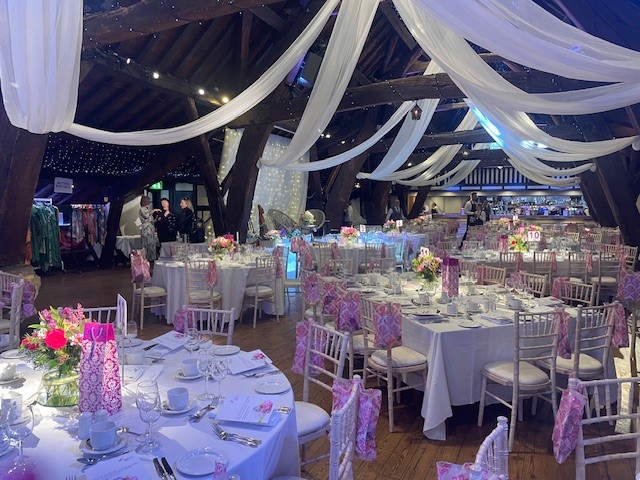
(205, 367)
(132, 333)
(148, 403)
(20, 429)
(192, 342)
(219, 371)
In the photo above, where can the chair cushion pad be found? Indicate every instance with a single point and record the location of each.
(310, 418)
(530, 375)
(152, 291)
(606, 281)
(262, 291)
(587, 365)
(200, 296)
(400, 357)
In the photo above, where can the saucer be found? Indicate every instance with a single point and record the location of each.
(13, 354)
(11, 380)
(181, 376)
(200, 462)
(131, 342)
(226, 350)
(120, 443)
(475, 310)
(516, 309)
(272, 387)
(167, 411)
(451, 314)
(469, 324)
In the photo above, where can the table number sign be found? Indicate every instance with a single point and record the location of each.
(363, 229)
(398, 223)
(534, 236)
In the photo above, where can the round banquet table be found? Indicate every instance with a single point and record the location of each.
(233, 278)
(54, 445)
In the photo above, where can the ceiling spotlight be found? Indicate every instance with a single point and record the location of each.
(416, 112)
(409, 164)
(201, 91)
(128, 61)
(465, 154)
(155, 75)
(327, 135)
(225, 99)
(500, 167)
(343, 142)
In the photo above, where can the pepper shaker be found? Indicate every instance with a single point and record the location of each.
(84, 425)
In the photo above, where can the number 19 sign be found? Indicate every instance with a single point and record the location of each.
(534, 236)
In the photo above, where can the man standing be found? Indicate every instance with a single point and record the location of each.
(470, 211)
(395, 212)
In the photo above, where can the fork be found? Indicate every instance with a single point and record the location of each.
(261, 374)
(224, 435)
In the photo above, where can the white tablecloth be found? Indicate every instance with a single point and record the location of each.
(232, 280)
(168, 249)
(126, 243)
(54, 445)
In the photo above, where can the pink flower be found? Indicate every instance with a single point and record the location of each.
(259, 356)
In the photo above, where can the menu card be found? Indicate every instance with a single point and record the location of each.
(245, 361)
(124, 467)
(171, 340)
(254, 409)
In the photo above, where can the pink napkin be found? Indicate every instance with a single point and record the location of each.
(387, 323)
(567, 423)
(369, 403)
(212, 274)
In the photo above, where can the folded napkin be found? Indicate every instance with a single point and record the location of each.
(548, 301)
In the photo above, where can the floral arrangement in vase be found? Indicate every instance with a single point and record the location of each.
(308, 218)
(504, 222)
(273, 235)
(55, 343)
(349, 233)
(390, 227)
(519, 242)
(427, 266)
(420, 221)
(222, 245)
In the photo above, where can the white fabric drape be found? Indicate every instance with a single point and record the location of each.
(244, 102)
(275, 188)
(40, 43)
(347, 39)
(451, 178)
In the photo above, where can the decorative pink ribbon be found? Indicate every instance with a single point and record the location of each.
(335, 254)
(212, 274)
(387, 323)
(277, 253)
(561, 318)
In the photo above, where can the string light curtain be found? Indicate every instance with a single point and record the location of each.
(40, 44)
(275, 188)
(340, 59)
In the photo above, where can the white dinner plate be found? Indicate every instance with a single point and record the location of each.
(475, 310)
(182, 376)
(200, 462)
(226, 349)
(13, 354)
(469, 324)
(86, 449)
(272, 386)
(457, 314)
(167, 411)
(131, 342)
(11, 380)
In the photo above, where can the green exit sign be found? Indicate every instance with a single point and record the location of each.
(156, 186)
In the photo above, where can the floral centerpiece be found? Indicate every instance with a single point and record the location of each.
(390, 227)
(504, 222)
(308, 218)
(349, 234)
(222, 245)
(55, 345)
(273, 234)
(427, 266)
(420, 221)
(519, 242)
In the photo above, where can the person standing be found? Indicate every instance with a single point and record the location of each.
(435, 210)
(147, 229)
(395, 212)
(165, 222)
(470, 211)
(487, 211)
(185, 217)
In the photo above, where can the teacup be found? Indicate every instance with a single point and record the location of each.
(473, 306)
(515, 303)
(7, 371)
(103, 435)
(135, 358)
(190, 367)
(423, 298)
(178, 398)
(452, 309)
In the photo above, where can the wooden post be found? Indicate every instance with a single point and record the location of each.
(423, 192)
(21, 155)
(379, 202)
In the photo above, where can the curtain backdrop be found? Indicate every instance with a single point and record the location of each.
(275, 188)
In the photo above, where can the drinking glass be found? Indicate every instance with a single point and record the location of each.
(219, 372)
(205, 367)
(19, 430)
(148, 403)
(192, 342)
(132, 332)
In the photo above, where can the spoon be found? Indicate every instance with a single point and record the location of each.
(89, 461)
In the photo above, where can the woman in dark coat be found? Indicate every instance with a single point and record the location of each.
(185, 217)
(165, 222)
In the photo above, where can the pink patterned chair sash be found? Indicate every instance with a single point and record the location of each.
(312, 289)
(307, 255)
(564, 344)
(554, 262)
(454, 471)
(543, 244)
(332, 297)
(300, 353)
(348, 319)
(387, 324)
(502, 243)
(620, 335)
(295, 244)
(480, 274)
(383, 251)
(515, 279)
(212, 274)
(450, 276)
(566, 428)
(558, 285)
(277, 254)
(335, 253)
(519, 261)
(628, 286)
(182, 320)
(140, 268)
(369, 403)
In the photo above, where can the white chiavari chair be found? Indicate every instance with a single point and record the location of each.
(578, 293)
(493, 453)
(534, 282)
(264, 286)
(606, 271)
(11, 326)
(214, 321)
(492, 275)
(509, 261)
(340, 267)
(198, 292)
(577, 266)
(6, 282)
(535, 340)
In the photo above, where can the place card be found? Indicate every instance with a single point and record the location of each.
(123, 466)
(245, 361)
(171, 340)
(253, 409)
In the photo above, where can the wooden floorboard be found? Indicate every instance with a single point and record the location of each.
(403, 455)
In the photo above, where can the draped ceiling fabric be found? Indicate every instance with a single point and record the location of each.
(39, 79)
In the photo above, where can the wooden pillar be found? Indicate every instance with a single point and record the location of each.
(243, 183)
(21, 155)
(598, 206)
(208, 172)
(345, 179)
(421, 197)
(379, 202)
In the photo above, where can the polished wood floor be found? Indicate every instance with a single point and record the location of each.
(403, 455)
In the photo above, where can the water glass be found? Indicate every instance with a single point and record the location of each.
(18, 431)
(219, 371)
(192, 341)
(205, 366)
(149, 405)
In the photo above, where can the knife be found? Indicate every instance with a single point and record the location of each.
(161, 473)
(167, 468)
(150, 346)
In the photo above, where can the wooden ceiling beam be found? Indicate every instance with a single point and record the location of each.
(420, 66)
(243, 45)
(216, 33)
(398, 25)
(271, 18)
(175, 54)
(151, 16)
(402, 89)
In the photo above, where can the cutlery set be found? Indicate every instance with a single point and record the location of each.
(199, 415)
(163, 469)
(234, 437)
(261, 374)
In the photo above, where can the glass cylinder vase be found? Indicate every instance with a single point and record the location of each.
(59, 390)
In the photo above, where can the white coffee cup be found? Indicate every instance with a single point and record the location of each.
(471, 289)
(178, 398)
(7, 371)
(515, 303)
(190, 367)
(103, 435)
(444, 297)
(452, 309)
(472, 305)
(423, 298)
(486, 305)
(11, 406)
(135, 358)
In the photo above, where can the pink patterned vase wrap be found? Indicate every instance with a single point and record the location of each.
(450, 276)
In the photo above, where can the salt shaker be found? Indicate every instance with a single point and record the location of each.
(100, 416)
(84, 425)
